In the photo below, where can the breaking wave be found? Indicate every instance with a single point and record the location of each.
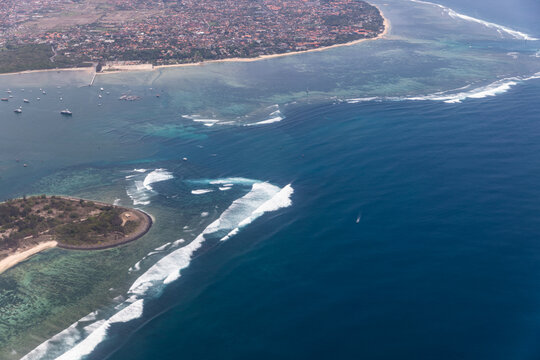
(200, 119)
(82, 337)
(140, 190)
(201, 191)
(500, 28)
(274, 117)
(458, 95)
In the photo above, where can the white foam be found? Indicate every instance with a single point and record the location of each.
(78, 342)
(204, 214)
(201, 191)
(274, 117)
(155, 176)
(178, 242)
(141, 190)
(200, 119)
(495, 88)
(225, 188)
(140, 170)
(207, 122)
(357, 100)
(242, 211)
(85, 347)
(162, 247)
(458, 95)
(138, 193)
(137, 266)
(230, 181)
(455, 15)
(280, 200)
(513, 55)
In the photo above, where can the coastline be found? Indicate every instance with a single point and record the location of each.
(150, 67)
(21, 255)
(386, 23)
(88, 68)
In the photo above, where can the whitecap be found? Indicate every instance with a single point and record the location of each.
(467, 92)
(85, 347)
(200, 119)
(500, 28)
(201, 191)
(155, 176)
(273, 118)
(76, 342)
(140, 190)
(162, 247)
(260, 199)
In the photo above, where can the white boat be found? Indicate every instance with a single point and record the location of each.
(26, 101)
(66, 112)
(17, 111)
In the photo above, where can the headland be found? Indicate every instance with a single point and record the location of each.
(33, 224)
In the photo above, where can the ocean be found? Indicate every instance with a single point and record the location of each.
(376, 201)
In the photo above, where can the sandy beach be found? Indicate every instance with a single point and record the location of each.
(22, 255)
(88, 68)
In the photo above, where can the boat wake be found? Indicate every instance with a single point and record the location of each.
(500, 28)
(459, 95)
(82, 337)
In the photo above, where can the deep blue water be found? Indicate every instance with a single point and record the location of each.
(443, 263)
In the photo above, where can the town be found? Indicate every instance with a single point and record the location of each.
(69, 33)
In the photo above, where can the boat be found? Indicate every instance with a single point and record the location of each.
(17, 111)
(66, 112)
(26, 101)
(43, 92)
(101, 89)
(4, 99)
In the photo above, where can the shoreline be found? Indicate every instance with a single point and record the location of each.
(21, 255)
(386, 22)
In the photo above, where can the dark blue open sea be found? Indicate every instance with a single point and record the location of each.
(380, 201)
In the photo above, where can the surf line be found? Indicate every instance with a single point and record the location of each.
(79, 340)
(454, 14)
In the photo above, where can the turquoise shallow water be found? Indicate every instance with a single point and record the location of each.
(408, 229)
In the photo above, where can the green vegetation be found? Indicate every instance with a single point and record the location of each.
(95, 228)
(70, 222)
(14, 58)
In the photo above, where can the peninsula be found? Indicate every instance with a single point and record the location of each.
(36, 223)
(52, 34)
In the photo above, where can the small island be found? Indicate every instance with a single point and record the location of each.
(32, 224)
